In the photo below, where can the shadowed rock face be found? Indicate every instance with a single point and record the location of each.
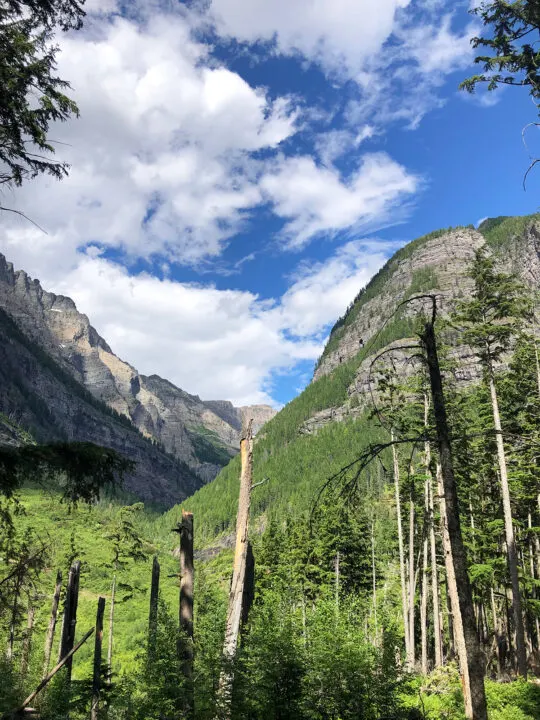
(439, 265)
(203, 435)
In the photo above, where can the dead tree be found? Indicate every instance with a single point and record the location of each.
(70, 615)
(473, 675)
(234, 612)
(96, 680)
(18, 711)
(153, 614)
(186, 606)
(49, 637)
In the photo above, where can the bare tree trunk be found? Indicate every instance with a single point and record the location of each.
(509, 531)
(96, 680)
(437, 624)
(451, 584)
(234, 613)
(111, 630)
(374, 580)
(153, 613)
(437, 635)
(336, 583)
(14, 617)
(70, 615)
(411, 584)
(424, 601)
(401, 554)
(186, 606)
(497, 633)
(473, 673)
(27, 641)
(49, 677)
(49, 638)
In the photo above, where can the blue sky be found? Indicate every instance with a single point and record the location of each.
(240, 170)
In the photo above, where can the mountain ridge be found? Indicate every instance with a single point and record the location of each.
(181, 424)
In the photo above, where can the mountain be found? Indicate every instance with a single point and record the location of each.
(324, 428)
(60, 379)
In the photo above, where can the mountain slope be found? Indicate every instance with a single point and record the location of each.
(326, 426)
(61, 380)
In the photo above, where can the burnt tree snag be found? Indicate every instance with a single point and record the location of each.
(70, 615)
(153, 614)
(96, 679)
(49, 637)
(473, 675)
(236, 594)
(186, 607)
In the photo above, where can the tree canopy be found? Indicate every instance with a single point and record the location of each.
(32, 95)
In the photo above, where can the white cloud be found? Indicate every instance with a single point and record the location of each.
(315, 199)
(216, 343)
(161, 127)
(336, 33)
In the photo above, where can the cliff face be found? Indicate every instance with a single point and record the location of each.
(438, 263)
(203, 435)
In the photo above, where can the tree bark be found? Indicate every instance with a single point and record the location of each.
(153, 613)
(509, 532)
(234, 612)
(49, 638)
(96, 680)
(401, 553)
(70, 615)
(186, 607)
(473, 673)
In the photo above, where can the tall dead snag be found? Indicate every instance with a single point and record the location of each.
(70, 615)
(234, 612)
(401, 554)
(473, 674)
(186, 606)
(49, 637)
(153, 613)
(96, 680)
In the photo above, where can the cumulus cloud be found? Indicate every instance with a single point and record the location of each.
(315, 199)
(216, 343)
(335, 33)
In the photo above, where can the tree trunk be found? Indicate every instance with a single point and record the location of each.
(111, 630)
(49, 638)
(14, 617)
(437, 635)
(27, 641)
(96, 680)
(186, 607)
(411, 584)
(336, 583)
(70, 615)
(153, 613)
(234, 612)
(424, 601)
(473, 672)
(374, 581)
(509, 532)
(401, 553)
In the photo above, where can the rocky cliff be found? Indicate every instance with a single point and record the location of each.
(436, 263)
(202, 435)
